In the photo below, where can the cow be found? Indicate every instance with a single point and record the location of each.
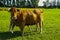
(25, 17)
(12, 21)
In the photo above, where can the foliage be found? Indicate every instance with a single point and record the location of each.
(35, 3)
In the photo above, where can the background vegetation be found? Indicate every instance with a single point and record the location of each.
(30, 3)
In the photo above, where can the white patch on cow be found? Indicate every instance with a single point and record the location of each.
(15, 17)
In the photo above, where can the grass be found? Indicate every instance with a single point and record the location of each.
(51, 27)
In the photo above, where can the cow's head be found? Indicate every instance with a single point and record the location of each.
(13, 12)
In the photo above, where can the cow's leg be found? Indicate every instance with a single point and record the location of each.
(22, 30)
(10, 25)
(41, 24)
(29, 27)
(12, 28)
(9, 28)
(36, 27)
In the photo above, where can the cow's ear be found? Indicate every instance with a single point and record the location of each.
(9, 10)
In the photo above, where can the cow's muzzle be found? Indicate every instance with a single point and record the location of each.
(14, 18)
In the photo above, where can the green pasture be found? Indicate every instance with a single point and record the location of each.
(51, 27)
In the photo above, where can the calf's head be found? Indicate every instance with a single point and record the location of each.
(13, 12)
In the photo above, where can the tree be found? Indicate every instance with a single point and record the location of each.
(35, 3)
(1, 5)
(46, 4)
(4, 2)
(58, 3)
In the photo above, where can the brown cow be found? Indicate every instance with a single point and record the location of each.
(26, 17)
(12, 20)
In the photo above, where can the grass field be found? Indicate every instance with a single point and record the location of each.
(51, 27)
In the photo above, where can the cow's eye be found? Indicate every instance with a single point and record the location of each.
(18, 10)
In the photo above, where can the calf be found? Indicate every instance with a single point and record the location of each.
(26, 17)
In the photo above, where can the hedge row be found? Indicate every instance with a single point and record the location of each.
(3, 9)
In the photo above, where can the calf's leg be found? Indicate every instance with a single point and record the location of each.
(22, 30)
(40, 25)
(36, 27)
(12, 28)
(29, 28)
(10, 25)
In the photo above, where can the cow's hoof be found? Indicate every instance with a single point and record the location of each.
(12, 32)
(41, 32)
(35, 30)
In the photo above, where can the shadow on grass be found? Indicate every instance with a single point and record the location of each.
(9, 35)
